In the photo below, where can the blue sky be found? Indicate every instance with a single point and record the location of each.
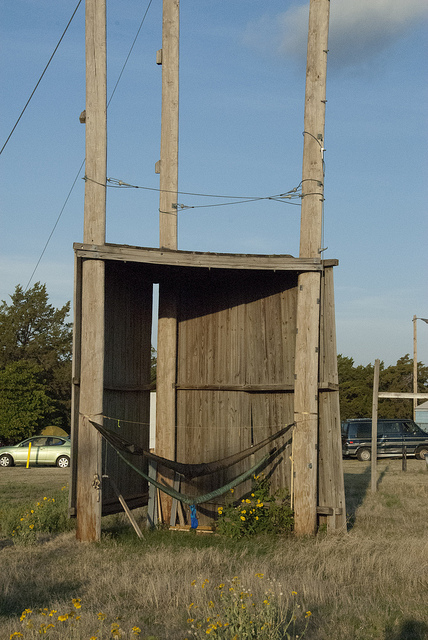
(242, 74)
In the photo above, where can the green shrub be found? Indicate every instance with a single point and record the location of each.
(261, 512)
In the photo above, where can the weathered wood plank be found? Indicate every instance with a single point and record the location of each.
(198, 259)
(331, 489)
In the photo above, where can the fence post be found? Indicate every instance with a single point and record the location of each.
(374, 426)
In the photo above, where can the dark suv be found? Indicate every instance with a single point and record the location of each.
(392, 437)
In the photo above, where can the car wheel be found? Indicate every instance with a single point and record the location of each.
(6, 460)
(63, 462)
(364, 455)
(422, 452)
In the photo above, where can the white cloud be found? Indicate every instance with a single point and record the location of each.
(358, 29)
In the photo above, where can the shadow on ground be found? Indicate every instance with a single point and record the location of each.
(408, 630)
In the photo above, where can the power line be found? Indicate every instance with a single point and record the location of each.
(285, 198)
(55, 225)
(80, 168)
(40, 79)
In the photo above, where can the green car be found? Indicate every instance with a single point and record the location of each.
(45, 450)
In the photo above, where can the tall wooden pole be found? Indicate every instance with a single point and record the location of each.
(169, 125)
(167, 322)
(415, 367)
(375, 404)
(88, 494)
(309, 284)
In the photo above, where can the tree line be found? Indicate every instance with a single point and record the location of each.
(35, 370)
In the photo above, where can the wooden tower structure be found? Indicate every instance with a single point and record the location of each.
(246, 343)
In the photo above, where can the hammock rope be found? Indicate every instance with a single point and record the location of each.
(188, 471)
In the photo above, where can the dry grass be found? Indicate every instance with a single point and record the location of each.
(368, 583)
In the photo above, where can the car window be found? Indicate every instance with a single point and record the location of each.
(392, 428)
(410, 427)
(38, 442)
(364, 430)
(56, 441)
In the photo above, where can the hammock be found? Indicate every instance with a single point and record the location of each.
(189, 471)
(193, 500)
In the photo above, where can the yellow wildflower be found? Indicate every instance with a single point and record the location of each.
(308, 614)
(25, 613)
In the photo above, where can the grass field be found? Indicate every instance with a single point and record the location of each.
(370, 582)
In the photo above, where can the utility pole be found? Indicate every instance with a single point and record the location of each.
(415, 367)
(88, 495)
(375, 404)
(168, 57)
(309, 284)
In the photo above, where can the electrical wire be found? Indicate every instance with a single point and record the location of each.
(129, 53)
(80, 168)
(40, 79)
(284, 198)
(55, 226)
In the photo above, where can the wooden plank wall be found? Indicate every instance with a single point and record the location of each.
(128, 318)
(235, 330)
(331, 491)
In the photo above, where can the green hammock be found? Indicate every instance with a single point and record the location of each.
(197, 499)
(189, 471)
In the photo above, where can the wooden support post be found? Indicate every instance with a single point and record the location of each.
(125, 507)
(167, 322)
(308, 303)
(374, 426)
(169, 125)
(88, 484)
(331, 486)
(415, 366)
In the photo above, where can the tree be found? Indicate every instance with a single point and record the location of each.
(31, 329)
(24, 403)
(38, 336)
(356, 387)
(399, 377)
(153, 365)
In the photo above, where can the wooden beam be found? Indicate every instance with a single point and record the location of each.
(88, 484)
(374, 426)
(197, 259)
(263, 388)
(403, 396)
(308, 316)
(168, 168)
(169, 125)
